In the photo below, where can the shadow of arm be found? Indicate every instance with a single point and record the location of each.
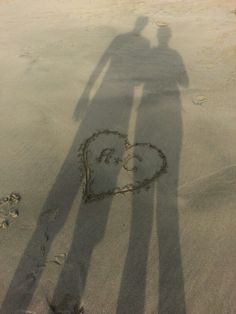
(183, 78)
(85, 97)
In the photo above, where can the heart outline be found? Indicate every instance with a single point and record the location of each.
(88, 194)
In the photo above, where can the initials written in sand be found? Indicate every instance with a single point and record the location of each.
(107, 154)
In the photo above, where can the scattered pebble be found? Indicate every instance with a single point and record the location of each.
(81, 310)
(11, 198)
(61, 255)
(199, 100)
(8, 210)
(161, 24)
(14, 197)
(4, 224)
(57, 261)
(59, 258)
(14, 213)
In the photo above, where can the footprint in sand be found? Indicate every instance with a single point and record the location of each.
(8, 210)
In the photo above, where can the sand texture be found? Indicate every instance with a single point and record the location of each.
(118, 157)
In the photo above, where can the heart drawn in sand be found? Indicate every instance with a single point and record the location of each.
(106, 153)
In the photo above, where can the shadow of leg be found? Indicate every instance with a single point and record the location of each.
(54, 213)
(132, 290)
(90, 229)
(171, 280)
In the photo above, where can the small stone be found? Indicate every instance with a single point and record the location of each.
(14, 213)
(4, 224)
(57, 261)
(161, 23)
(62, 255)
(78, 309)
(81, 310)
(14, 197)
(199, 100)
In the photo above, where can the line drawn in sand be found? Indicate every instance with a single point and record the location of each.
(110, 156)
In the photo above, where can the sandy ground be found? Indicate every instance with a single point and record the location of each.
(161, 73)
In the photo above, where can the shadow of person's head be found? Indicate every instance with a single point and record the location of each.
(163, 35)
(140, 24)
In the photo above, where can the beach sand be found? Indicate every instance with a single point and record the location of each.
(158, 73)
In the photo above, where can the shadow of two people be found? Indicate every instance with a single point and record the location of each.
(129, 62)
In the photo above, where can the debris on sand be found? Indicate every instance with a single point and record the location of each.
(81, 310)
(50, 213)
(59, 259)
(11, 198)
(62, 255)
(14, 197)
(160, 23)
(14, 213)
(199, 100)
(4, 224)
(68, 305)
(8, 209)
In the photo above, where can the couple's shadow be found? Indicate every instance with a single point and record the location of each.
(129, 62)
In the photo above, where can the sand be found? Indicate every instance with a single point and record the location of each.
(143, 220)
